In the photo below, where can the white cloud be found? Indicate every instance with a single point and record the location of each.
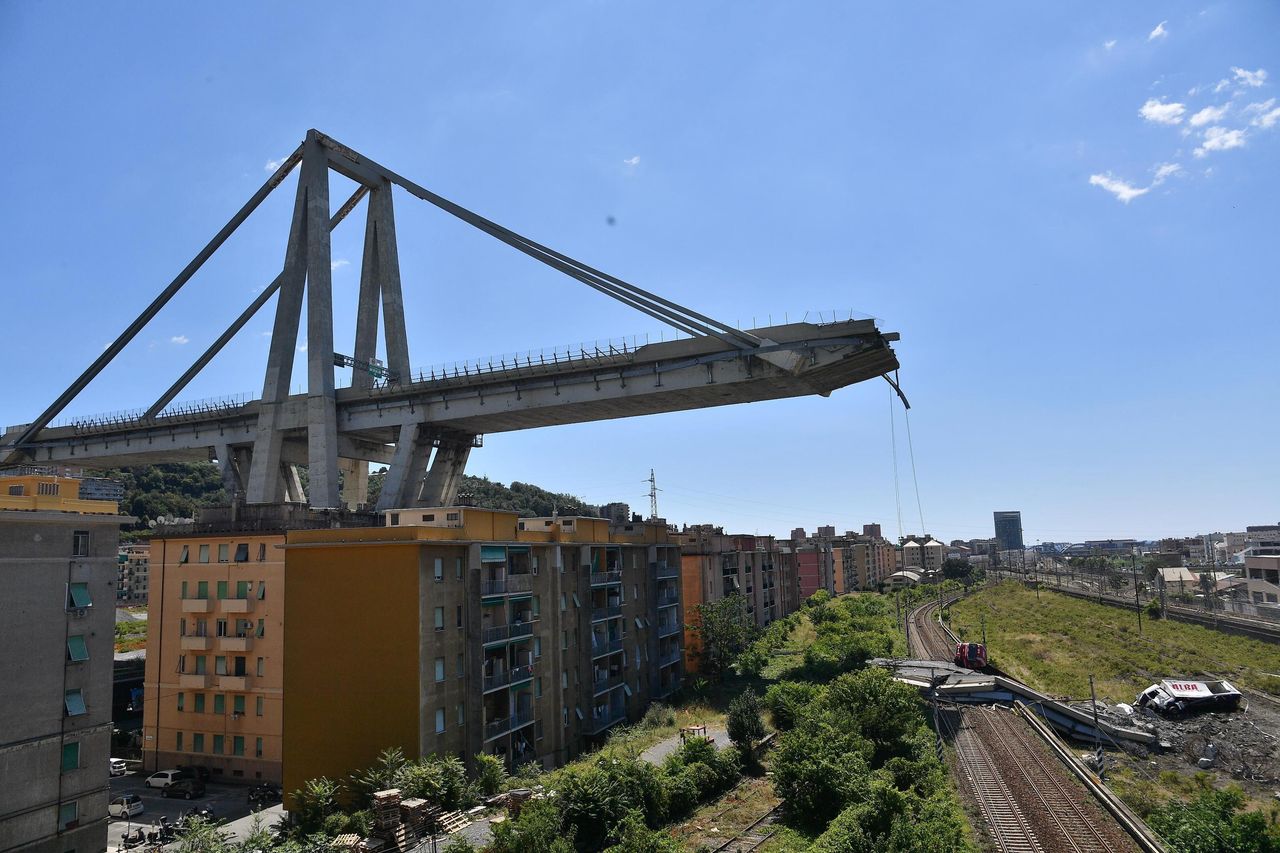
(1161, 113)
(302, 348)
(178, 339)
(338, 264)
(1222, 84)
(1159, 32)
(272, 165)
(1268, 114)
(1220, 139)
(632, 161)
(1127, 192)
(1109, 44)
(1208, 115)
(1122, 190)
(1250, 78)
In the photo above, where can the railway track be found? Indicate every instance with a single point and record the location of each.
(1029, 802)
(754, 835)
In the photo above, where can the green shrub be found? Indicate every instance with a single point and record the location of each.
(658, 716)
(539, 827)
(787, 699)
(491, 773)
(745, 727)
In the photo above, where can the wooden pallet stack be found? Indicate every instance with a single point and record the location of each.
(415, 813)
(387, 823)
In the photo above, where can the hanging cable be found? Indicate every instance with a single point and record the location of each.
(893, 440)
(906, 416)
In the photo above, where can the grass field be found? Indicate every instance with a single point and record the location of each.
(131, 635)
(1055, 644)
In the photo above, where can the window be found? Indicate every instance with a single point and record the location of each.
(564, 679)
(186, 555)
(201, 664)
(461, 713)
(222, 590)
(576, 602)
(428, 516)
(237, 704)
(220, 665)
(438, 569)
(224, 552)
(537, 647)
(260, 667)
(221, 627)
(46, 488)
(15, 490)
(76, 650)
(459, 615)
(182, 664)
(242, 552)
(564, 603)
(257, 747)
(462, 667)
(262, 552)
(219, 703)
(219, 744)
(439, 623)
(202, 589)
(457, 567)
(395, 519)
(71, 756)
(177, 741)
(258, 706)
(197, 742)
(182, 624)
(78, 596)
(578, 711)
(74, 702)
(182, 701)
(262, 590)
(439, 720)
(204, 553)
(184, 590)
(68, 813)
(80, 543)
(262, 627)
(452, 516)
(564, 639)
(237, 745)
(199, 703)
(439, 670)
(239, 668)
(537, 688)
(564, 715)
(535, 606)
(242, 589)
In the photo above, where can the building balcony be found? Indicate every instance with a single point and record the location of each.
(196, 644)
(609, 682)
(611, 717)
(493, 587)
(236, 605)
(498, 728)
(599, 614)
(605, 578)
(233, 682)
(668, 629)
(666, 690)
(663, 570)
(668, 598)
(197, 605)
(191, 680)
(670, 658)
(505, 633)
(513, 675)
(235, 644)
(519, 584)
(607, 647)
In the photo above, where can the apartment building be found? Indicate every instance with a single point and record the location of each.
(58, 570)
(461, 630)
(133, 570)
(1262, 578)
(213, 689)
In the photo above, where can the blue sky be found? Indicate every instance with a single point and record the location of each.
(1088, 333)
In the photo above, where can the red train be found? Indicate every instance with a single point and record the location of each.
(970, 655)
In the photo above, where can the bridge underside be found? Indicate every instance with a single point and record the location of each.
(424, 430)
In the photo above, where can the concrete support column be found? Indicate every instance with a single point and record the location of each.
(322, 412)
(355, 482)
(441, 485)
(231, 479)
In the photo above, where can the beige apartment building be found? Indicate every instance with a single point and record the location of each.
(213, 692)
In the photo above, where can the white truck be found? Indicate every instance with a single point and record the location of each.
(1178, 696)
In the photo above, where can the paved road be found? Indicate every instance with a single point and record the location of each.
(657, 753)
(229, 803)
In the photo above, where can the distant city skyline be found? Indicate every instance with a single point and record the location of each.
(1069, 222)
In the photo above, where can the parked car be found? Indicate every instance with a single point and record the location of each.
(125, 806)
(185, 788)
(165, 778)
(197, 771)
(118, 767)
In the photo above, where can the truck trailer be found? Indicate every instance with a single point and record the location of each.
(1177, 696)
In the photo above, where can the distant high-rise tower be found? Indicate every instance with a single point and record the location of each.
(1009, 531)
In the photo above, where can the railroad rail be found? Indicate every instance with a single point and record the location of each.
(751, 838)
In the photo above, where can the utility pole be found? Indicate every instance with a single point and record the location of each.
(1137, 603)
(1097, 732)
(653, 496)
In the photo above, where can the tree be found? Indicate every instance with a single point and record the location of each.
(955, 568)
(491, 773)
(635, 837)
(537, 828)
(725, 630)
(745, 726)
